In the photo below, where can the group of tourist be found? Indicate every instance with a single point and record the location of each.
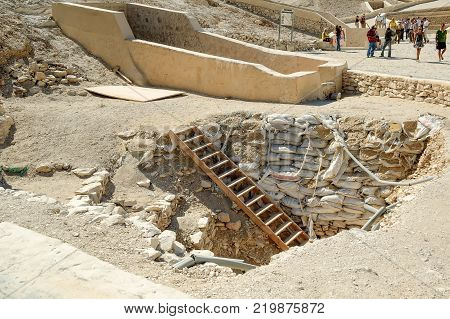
(415, 30)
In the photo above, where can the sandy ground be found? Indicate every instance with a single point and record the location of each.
(402, 62)
(429, 5)
(407, 259)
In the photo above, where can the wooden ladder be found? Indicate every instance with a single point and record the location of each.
(240, 188)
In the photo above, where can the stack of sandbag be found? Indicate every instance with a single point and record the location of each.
(312, 178)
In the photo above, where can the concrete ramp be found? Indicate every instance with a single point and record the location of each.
(37, 266)
(166, 48)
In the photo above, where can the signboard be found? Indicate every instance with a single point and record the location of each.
(286, 18)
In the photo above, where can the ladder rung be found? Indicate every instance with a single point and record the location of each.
(201, 147)
(293, 237)
(184, 131)
(219, 164)
(262, 210)
(282, 228)
(210, 155)
(234, 183)
(193, 138)
(231, 171)
(254, 200)
(273, 218)
(245, 191)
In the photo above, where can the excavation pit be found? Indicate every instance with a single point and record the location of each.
(299, 163)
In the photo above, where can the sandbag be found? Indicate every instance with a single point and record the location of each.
(353, 202)
(338, 199)
(344, 184)
(276, 195)
(290, 149)
(291, 189)
(372, 200)
(291, 202)
(335, 165)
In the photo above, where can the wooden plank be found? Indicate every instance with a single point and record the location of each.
(231, 171)
(201, 147)
(282, 228)
(253, 200)
(219, 164)
(210, 155)
(273, 218)
(293, 237)
(245, 191)
(237, 181)
(193, 138)
(262, 210)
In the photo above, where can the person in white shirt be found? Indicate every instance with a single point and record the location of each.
(378, 20)
(426, 24)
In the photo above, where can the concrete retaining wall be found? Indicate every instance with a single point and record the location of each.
(374, 84)
(101, 32)
(305, 20)
(178, 54)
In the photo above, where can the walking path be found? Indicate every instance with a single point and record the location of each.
(429, 5)
(35, 266)
(403, 61)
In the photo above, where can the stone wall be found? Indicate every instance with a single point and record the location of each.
(373, 84)
(305, 21)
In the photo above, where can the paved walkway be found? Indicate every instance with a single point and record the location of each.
(35, 266)
(403, 61)
(429, 5)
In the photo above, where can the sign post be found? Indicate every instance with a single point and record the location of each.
(286, 20)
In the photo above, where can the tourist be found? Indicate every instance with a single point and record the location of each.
(326, 36)
(407, 29)
(426, 24)
(419, 42)
(357, 22)
(378, 20)
(383, 22)
(338, 37)
(363, 21)
(441, 42)
(399, 31)
(388, 42)
(372, 37)
(393, 24)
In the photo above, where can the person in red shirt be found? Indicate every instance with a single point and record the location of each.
(372, 36)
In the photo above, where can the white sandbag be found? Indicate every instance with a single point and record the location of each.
(338, 199)
(385, 192)
(351, 216)
(311, 183)
(335, 165)
(310, 119)
(313, 202)
(315, 143)
(372, 200)
(330, 217)
(307, 151)
(291, 202)
(331, 205)
(276, 195)
(353, 202)
(287, 137)
(212, 131)
(308, 166)
(273, 157)
(323, 210)
(249, 166)
(306, 174)
(280, 121)
(277, 148)
(299, 212)
(368, 190)
(348, 192)
(291, 189)
(343, 184)
(324, 191)
(353, 210)
(281, 163)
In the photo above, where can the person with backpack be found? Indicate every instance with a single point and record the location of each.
(441, 42)
(372, 36)
(388, 42)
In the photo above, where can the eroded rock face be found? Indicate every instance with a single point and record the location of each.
(6, 123)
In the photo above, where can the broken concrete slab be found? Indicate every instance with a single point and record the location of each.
(133, 93)
(36, 266)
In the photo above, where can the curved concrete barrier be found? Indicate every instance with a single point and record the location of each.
(168, 48)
